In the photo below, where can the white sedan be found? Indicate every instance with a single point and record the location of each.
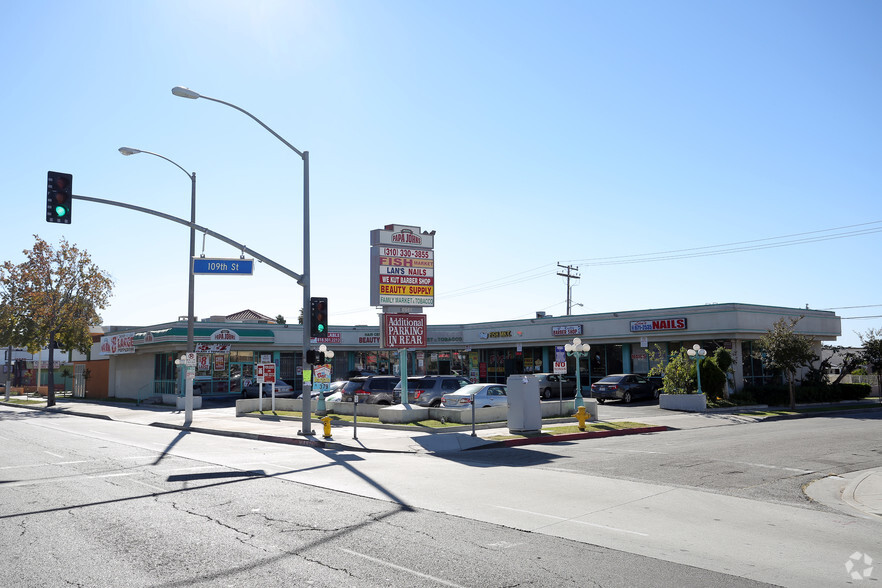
(485, 395)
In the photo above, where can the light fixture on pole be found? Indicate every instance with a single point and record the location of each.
(697, 353)
(578, 350)
(191, 346)
(305, 276)
(129, 151)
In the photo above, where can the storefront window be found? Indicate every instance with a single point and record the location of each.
(164, 373)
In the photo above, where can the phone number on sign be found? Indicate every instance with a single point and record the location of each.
(400, 252)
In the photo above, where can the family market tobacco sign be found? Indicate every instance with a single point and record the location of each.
(404, 331)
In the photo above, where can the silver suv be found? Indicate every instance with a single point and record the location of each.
(428, 390)
(372, 390)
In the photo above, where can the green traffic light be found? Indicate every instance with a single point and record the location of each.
(321, 328)
(61, 210)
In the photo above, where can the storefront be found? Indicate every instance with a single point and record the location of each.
(621, 342)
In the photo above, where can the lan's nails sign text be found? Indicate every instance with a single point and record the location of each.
(671, 324)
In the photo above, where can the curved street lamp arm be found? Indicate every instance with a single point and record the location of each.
(258, 121)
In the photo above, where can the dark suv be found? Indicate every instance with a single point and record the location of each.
(374, 390)
(428, 390)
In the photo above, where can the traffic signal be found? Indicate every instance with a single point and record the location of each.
(314, 357)
(318, 317)
(59, 197)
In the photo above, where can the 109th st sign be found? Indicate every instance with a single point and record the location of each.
(223, 266)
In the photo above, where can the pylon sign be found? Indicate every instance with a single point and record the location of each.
(402, 267)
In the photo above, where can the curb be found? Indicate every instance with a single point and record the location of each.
(569, 437)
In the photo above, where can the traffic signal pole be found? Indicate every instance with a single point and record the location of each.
(201, 229)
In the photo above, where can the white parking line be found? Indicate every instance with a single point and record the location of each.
(571, 520)
(403, 569)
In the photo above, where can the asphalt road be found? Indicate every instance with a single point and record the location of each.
(88, 502)
(95, 502)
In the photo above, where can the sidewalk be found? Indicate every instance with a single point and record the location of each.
(858, 490)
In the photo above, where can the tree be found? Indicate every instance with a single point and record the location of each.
(280, 320)
(51, 300)
(850, 362)
(677, 371)
(782, 348)
(872, 342)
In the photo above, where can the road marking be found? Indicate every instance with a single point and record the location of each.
(116, 475)
(54, 454)
(402, 568)
(157, 488)
(571, 520)
(772, 467)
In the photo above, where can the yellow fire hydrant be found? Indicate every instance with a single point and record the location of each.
(582, 415)
(327, 420)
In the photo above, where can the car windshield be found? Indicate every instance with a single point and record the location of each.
(468, 390)
(610, 380)
(352, 385)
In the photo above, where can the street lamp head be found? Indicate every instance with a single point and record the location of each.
(690, 352)
(577, 341)
(568, 347)
(128, 151)
(185, 92)
(696, 347)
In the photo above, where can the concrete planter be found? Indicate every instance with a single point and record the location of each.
(684, 402)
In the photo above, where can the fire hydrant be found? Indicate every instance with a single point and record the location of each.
(327, 420)
(582, 415)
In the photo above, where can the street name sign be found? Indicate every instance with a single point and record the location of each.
(223, 266)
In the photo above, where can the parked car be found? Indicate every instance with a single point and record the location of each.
(374, 389)
(550, 385)
(335, 387)
(428, 390)
(283, 390)
(624, 387)
(485, 395)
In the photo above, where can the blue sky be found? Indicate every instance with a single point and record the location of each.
(744, 136)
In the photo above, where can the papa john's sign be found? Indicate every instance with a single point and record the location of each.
(404, 331)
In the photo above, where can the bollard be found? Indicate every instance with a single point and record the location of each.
(327, 421)
(581, 415)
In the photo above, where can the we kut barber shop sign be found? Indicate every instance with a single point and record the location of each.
(404, 331)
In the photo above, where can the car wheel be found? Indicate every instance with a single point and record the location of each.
(384, 402)
(600, 401)
(435, 403)
(626, 398)
(656, 392)
(546, 394)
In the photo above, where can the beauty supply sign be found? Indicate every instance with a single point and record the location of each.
(402, 267)
(404, 331)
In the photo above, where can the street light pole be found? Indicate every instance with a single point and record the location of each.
(306, 425)
(191, 345)
(697, 353)
(578, 350)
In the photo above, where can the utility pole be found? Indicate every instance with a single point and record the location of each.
(569, 275)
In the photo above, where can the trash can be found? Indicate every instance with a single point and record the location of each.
(524, 410)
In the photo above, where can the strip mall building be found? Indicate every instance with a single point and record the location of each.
(142, 360)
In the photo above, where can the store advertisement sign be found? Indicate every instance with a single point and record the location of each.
(321, 378)
(224, 335)
(118, 344)
(566, 331)
(670, 324)
(402, 267)
(404, 331)
(266, 373)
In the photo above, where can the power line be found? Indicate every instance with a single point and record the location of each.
(751, 245)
